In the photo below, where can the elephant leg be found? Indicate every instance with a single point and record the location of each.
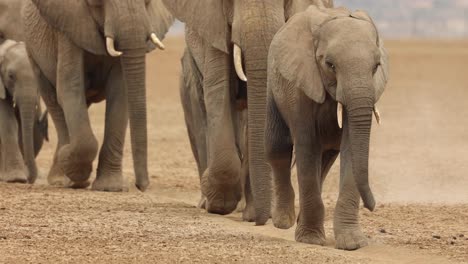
(14, 168)
(75, 158)
(328, 158)
(279, 148)
(348, 234)
(191, 93)
(247, 205)
(56, 176)
(109, 175)
(310, 224)
(221, 181)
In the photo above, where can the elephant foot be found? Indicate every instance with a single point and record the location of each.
(16, 176)
(248, 215)
(350, 239)
(310, 235)
(77, 162)
(110, 183)
(58, 179)
(284, 217)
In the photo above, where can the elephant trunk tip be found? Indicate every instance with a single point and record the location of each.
(369, 201)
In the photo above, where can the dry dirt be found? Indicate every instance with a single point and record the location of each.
(418, 171)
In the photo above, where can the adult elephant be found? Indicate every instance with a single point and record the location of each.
(89, 51)
(10, 19)
(23, 126)
(223, 36)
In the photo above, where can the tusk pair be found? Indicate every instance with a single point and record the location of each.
(157, 42)
(238, 63)
(115, 53)
(339, 115)
(111, 48)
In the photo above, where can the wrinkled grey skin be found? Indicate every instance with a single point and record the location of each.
(23, 127)
(66, 39)
(215, 100)
(321, 57)
(10, 19)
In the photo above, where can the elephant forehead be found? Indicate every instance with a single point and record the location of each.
(351, 29)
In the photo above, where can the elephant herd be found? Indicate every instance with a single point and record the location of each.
(264, 83)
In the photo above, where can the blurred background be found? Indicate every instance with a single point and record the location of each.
(408, 19)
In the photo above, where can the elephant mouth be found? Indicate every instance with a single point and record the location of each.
(110, 45)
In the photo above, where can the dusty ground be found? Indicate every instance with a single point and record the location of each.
(418, 171)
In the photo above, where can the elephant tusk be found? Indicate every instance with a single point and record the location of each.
(157, 42)
(238, 63)
(111, 48)
(377, 115)
(339, 114)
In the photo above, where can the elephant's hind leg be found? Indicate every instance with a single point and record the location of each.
(76, 158)
(109, 173)
(191, 95)
(14, 169)
(279, 149)
(56, 176)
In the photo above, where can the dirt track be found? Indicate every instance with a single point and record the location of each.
(418, 171)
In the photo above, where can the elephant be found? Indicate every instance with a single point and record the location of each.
(224, 88)
(327, 68)
(89, 51)
(23, 126)
(10, 19)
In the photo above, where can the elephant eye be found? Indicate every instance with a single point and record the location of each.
(376, 67)
(11, 76)
(331, 66)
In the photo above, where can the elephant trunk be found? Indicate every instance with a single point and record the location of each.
(27, 110)
(262, 19)
(133, 66)
(360, 110)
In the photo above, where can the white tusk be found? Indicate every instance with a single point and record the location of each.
(339, 115)
(157, 42)
(111, 48)
(238, 63)
(377, 115)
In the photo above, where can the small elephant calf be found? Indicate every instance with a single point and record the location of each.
(327, 70)
(23, 126)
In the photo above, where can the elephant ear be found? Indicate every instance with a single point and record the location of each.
(74, 19)
(381, 76)
(161, 19)
(206, 17)
(292, 53)
(293, 7)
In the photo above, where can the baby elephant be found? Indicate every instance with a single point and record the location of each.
(22, 125)
(327, 70)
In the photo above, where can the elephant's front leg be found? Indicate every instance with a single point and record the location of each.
(109, 172)
(221, 180)
(75, 158)
(13, 167)
(310, 226)
(348, 234)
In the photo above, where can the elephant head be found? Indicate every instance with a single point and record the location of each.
(117, 28)
(340, 53)
(19, 84)
(245, 29)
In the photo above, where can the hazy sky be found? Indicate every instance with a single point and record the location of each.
(409, 18)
